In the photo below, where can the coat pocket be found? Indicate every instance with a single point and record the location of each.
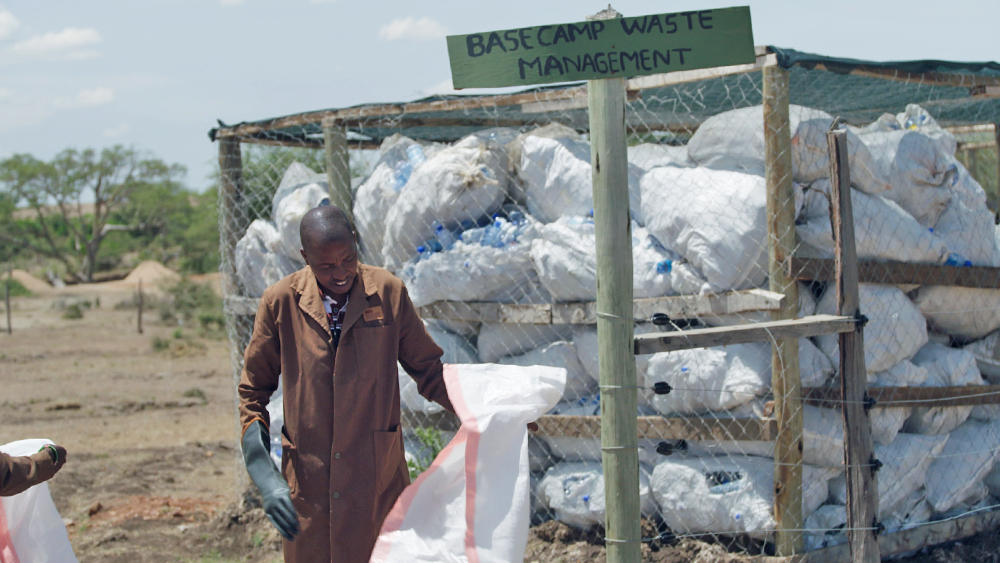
(388, 456)
(288, 463)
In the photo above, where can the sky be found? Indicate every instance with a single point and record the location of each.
(157, 74)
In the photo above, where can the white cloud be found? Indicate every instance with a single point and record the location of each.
(68, 44)
(412, 29)
(119, 131)
(88, 97)
(8, 24)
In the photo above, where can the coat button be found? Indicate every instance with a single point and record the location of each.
(336, 455)
(336, 495)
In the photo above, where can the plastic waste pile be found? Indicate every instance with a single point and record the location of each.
(507, 217)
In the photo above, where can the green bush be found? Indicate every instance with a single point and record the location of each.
(73, 311)
(160, 344)
(16, 288)
(186, 301)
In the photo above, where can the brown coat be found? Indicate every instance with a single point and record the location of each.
(18, 474)
(342, 447)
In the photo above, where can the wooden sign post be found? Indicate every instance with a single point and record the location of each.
(605, 50)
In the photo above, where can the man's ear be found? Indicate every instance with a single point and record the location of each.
(304, 257)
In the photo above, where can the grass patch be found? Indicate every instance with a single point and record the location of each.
(16, 288)
(160, 344)
(73, 311)
(195, 393)
(431, 438)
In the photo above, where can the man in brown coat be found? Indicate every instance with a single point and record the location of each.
(19, 473)
(334, 330)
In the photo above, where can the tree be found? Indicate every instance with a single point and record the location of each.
(72, 198)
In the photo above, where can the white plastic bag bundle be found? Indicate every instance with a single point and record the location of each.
(378, 193)
(289, 215)
(585, 341)
(651, 155)
(961, 466)
(917, 164)
(575, 492)
(460, 183)
(895, 329)
(715, 219)
(30, 520)
(560, 354)
(727, 495)
(882, 229)
(987, 354)
(556, 175)
(825, 527)
(904, 470)
(706, 379)
(963, 312)
(565, 257)
(498, 340)
(296, 176)
(260, 259)
(946, 367)
(734, 140)
(475, 272)
(473, 503)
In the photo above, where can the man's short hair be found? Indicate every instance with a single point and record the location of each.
(325, 225)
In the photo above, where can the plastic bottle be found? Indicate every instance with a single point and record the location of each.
(415, 154)
(956, 259)
(491, 237)
(444, 237)
(402, 172)
(664, 266)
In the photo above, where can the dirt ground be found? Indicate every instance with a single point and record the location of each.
(153, 474)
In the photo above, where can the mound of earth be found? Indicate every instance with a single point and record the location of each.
(151, 273)
(31, 283)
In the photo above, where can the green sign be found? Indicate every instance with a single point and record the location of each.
(590, 50)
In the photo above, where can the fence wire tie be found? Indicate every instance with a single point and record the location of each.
(869, 402)
(611, 316)
(875, 465)
(640, 540)
(620, 448)
(878, 527)
(860, 321)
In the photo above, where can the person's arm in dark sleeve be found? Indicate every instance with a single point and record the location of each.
(261, 367)
(420, 356)
(18, 474)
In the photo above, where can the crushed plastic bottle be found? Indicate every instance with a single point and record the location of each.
(956, 259)
(444, 237)
(415, 154)
(401, 173)
(664, 266)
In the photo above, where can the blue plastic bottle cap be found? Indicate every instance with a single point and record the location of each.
(421, 249)
(586, 498)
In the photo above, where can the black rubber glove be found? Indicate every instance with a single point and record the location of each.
(273, 487)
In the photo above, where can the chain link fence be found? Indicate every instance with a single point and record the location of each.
(483, 207)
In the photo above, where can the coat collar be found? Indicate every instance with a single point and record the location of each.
(311, 301)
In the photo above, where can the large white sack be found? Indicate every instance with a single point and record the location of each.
(557, 178)
(30, 520)
(585, 341)
(296, 176)
(707, 379)
(895, 329)
(965, 313)
(564, 254)
(575, 492)
(904, 470)
(734, 140)
(497, 340)
(460, 183)
(290, 211)
(651, 155)
(376, 196)
(917, 163)
(882, 229)
(715, 219)
(827, 525)
(260, 259)
(473, 502)
(475, 272)
(946, 367)
(560, 354)
(961, 466)
(987, 354)
(727, 495)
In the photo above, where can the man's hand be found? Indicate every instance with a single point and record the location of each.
(273, 487)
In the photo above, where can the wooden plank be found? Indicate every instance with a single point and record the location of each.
(893, 273)
(785, 377)
(338, 168)
(965, 129)
(862, 488)
(925, 78)
(686, 76)
(615, 327)
(742, 334)
(976, 146)
(969, 395)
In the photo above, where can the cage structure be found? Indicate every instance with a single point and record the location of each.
(481, 204)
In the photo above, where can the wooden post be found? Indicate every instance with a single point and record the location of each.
(338, 167)
(615, 324)
(139, 317)
(786, 382)
(231, 196)
(862, 488)
(6, 297)
(996, 135)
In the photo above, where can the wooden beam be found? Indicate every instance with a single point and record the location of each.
(969, 395)
(925, 78)
(686, 76)
(862, 488)
(648, 427)
(742, 334)
(893, 273)
(965, 129)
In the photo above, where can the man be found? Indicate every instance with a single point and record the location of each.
(334, 330)
(18, 474)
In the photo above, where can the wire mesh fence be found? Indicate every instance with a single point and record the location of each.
(485, 211)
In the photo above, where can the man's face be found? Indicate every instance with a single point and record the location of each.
(334, 264)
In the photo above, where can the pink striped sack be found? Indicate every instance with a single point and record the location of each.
(472, 504)
(31, 530)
